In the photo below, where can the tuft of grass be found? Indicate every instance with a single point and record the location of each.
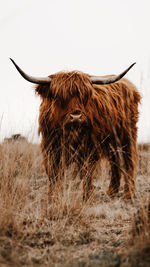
(139, 239)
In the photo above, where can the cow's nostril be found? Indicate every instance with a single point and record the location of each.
(76, 112)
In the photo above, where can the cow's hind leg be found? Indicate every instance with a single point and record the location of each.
(131, 159)
(115, 174)
(54, 174)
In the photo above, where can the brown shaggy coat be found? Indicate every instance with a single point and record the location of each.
(107, 128)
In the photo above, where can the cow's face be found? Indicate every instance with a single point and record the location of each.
(66, 100)
(73, 113)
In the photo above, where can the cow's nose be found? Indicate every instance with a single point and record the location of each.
(75, 116)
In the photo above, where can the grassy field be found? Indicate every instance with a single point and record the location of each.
(67, 231)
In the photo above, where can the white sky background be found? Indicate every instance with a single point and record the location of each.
(45, 36)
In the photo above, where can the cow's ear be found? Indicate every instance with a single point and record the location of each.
(43, 90)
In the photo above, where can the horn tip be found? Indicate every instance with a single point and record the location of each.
(12, 61)
(133, 64)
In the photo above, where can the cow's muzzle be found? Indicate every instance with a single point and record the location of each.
(75, 119)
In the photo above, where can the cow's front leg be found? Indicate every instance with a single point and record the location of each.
(53, 180)
(86, 175)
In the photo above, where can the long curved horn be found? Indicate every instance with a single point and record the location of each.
(112, 79)
(30, 78)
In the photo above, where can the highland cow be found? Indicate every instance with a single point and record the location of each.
(86, 118)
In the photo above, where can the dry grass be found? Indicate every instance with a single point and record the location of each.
(67, 231)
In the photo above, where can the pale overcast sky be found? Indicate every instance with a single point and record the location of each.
(45, 36)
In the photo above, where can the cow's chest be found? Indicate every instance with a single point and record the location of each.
(77, 145)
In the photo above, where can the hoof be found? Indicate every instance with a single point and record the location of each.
(128, 196)
(112, 193)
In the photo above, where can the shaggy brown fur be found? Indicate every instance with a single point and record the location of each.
(109, 114)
